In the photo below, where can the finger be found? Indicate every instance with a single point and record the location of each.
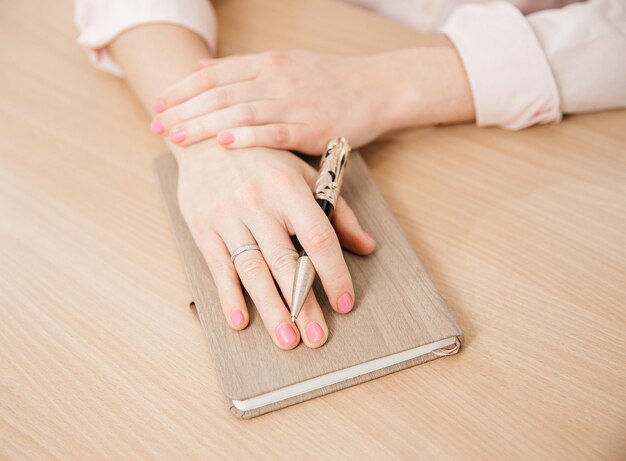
(349, 231)
(320, 241)
(206, 62)
(278, 136)
(257, 280)
(282, 257)
(213, 100)
(351, 235)
(207, 126)
(232, 71)
(226, 280)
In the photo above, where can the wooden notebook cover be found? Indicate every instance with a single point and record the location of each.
(397, 307)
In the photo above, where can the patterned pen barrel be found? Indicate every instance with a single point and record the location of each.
(327, 189)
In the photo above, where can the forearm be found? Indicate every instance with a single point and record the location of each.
(431, 87)
(155, 56)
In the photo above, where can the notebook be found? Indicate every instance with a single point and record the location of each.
(398, 319)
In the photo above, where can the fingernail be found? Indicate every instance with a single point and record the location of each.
(157, 126)
(225, 138)
(236, 317)
(314, 332)
(369, 237)
(204, 62)
(285, 334)
(344, 303)
(158, 106)
(178, 134)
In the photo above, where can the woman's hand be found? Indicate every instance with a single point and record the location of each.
(289, 100)
(299, 100)
(262, 196)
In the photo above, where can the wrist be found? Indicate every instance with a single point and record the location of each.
(151, 69)
(427, 86)
(209, 147)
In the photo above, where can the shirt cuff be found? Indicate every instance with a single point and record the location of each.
(100, 22)
(510, 78)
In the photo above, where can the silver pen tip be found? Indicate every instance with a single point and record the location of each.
(302, 283)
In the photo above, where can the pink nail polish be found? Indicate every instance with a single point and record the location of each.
(285, 334)
(344, 303)
(314, 332)
(157, 126)
(225, 138)
(158, 106)
(236, 317)
(178, 134)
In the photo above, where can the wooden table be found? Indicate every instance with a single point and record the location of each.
(523, 233)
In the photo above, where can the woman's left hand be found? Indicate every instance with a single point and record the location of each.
(293, 100)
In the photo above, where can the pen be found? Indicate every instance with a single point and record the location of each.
(327, 188)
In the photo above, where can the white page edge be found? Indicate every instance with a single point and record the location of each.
(338, 376)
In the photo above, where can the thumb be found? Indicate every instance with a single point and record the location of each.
(349, 230)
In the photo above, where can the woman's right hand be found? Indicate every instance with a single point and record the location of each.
(263, 196)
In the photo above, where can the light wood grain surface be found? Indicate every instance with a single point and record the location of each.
(523, 233)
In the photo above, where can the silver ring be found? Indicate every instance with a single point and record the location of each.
(243, 248)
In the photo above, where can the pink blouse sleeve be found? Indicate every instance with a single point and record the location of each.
(524, 71)
(585, 45)
(100, 21)
(509, 75)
